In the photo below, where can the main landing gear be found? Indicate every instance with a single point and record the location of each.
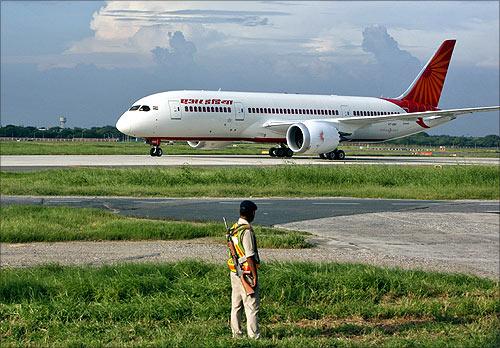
(333, 155)
(281, 151)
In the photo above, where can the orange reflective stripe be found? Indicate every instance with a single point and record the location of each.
(240, 252)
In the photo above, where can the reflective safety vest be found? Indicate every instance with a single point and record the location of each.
(237, 232)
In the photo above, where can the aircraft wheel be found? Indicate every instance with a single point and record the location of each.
(340, 155)
(322, 156)
(289, 153)
(280, 152)
(159, 152)
(331, 155)
(152, 152)
(272, 152)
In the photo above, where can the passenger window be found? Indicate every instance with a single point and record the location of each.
(186, 108)
(212, 108)
(134, 108)
(249, 110)
(144, 108)
(261, 110)
(191, 108)
(204, 109)
(228, 109)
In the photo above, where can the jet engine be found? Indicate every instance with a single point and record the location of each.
(312, 137)
(208, 145)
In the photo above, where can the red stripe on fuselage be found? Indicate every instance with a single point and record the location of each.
(255, 140)
(411, 106)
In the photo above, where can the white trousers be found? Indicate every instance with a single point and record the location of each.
(239, 301)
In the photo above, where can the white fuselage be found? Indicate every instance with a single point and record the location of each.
(240, 116)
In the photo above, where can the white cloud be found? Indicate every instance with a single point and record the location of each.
(329, 31)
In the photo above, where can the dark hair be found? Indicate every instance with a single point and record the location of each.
(247, 207)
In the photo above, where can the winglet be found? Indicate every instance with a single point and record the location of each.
(427, 86)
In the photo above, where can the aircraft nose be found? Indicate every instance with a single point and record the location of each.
(123, 124)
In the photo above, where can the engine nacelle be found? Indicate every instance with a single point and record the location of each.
(312, 137)
(208, 145)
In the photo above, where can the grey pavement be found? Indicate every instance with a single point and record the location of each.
(451, 236)
(38, 162)
(271, 211)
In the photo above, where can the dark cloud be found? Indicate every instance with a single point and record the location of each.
(245, 18)
(376, 40)
(181, 51)
(199, 12)
(391, 62)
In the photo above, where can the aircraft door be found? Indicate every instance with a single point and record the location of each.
(344, 111)
(175, 110)
(240, 112)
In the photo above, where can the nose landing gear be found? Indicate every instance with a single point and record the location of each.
(156, 151)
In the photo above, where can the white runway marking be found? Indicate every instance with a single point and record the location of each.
(334, 203)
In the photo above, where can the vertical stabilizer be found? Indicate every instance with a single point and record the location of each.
(426, 88)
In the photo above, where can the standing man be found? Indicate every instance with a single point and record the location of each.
(245, 244)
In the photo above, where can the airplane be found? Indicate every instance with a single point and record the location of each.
(298, 123)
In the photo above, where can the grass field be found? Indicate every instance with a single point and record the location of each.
(139, 148)
(377, 181)
(186, 304)
(24, 224)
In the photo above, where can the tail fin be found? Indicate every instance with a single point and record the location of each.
(427, 87)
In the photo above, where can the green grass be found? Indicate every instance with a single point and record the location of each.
(24, 224)
(186, 304)
(181, 148)
(375, 181)
(116, 148)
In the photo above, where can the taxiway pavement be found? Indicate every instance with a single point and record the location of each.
(452, 236)
(36, 162)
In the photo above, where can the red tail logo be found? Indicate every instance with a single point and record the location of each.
(427, 87)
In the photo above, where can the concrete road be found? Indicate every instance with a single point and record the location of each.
(454, 236)
(18, 163)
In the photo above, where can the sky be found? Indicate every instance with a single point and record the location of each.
(90, 60)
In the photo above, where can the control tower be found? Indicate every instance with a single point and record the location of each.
(62, 122)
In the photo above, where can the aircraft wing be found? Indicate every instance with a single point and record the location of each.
(430, 115)
(359, 121)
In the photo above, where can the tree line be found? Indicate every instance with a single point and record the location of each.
(422, 139)
(58, 132)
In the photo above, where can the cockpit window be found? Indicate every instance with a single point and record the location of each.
(135, 107)
(144, 108)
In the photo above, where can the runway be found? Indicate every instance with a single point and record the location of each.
(36, 162)
(449, 236)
